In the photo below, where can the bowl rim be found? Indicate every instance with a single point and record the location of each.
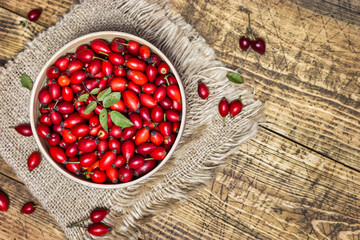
(70, 47)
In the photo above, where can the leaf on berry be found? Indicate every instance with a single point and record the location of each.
(120, 120)
(234, 77)
(83, 97)
(103, 94)
(95, 91)
(92, 105)
(103, 117)
(111, 99)
(26, 81)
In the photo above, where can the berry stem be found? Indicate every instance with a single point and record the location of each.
(224, 121)
(103, 53)
(87, 90)
(100, 58)
(249, 29)
(167, 81)
(147, 159)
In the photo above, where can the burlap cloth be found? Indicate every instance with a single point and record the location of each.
(205, 143)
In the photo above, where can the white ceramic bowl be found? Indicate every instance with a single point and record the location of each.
(41, 81)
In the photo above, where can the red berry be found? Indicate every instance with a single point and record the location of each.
(73, 165)
(125, 174)
(173, 92)
(128, 149)
(120, 161)
(157, 114)
(244, 43)
(24, 129)
(235, 107)
(53, 72)
(28, 208)
(88, 159)
(34, 15)
(43, 131)
(156, 138)
(62, 63)
(136, 64)
(118, 84)
(98, 176)
(144, 52)
(133, 48)
(223, 107)
(85, 55)
(34, 160)
(112, 174)
(100, 46)
(147, 167)
(136, 161)
(163, 68)
(87, 144)
(203, 91)
(137, 77)
(57, 154)
(72, 149)
(98, 215)
(159, 93)
(4, 202)
(258, 46)
(131, 100)
(116, 59)
(44, 96)
(159, 153)
(107, 160)
(145, 148)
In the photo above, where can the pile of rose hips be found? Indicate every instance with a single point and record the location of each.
(111, 111)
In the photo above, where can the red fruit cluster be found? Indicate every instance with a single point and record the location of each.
(234, 107)
(97, 228)
(88, 141)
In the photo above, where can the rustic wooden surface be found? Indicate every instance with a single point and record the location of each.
(299, 178)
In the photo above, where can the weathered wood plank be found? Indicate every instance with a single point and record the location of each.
(51, 10)
(13, 35)
(309, 75)
(14, 225)
(271, 189)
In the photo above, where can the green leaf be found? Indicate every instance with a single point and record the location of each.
(83, 97)
(103, 94)
(103, 117)
(95, 91)
(92, 105)
(120, 120)
(26, 81)
(111, 99)
(234, 77)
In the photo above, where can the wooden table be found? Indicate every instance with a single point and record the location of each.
(299, 178)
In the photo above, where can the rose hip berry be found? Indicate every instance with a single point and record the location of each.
(34, 160)
(203, 91)
(110, 112)
(4, 202)
(235, 107)
(24, 129)
(34, 15)
(28, 208)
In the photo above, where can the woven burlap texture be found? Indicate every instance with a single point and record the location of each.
(205, 143)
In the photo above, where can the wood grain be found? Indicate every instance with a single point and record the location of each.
(51, 10)
(271, 189)
(14, 225)
(309, 75)
(13, 35)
